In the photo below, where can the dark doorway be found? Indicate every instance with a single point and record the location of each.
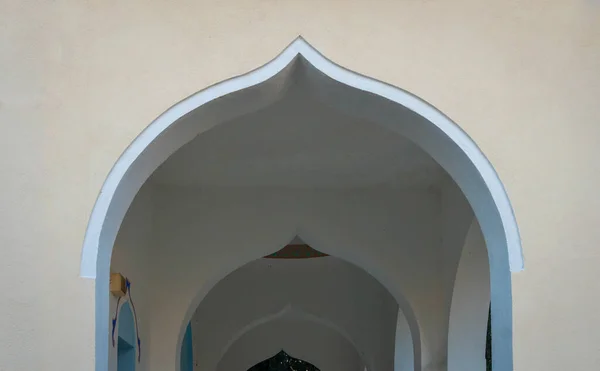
(283, 362)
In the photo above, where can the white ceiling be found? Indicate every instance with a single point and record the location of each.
(299, 143)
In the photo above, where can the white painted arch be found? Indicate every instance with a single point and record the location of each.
(381, 103)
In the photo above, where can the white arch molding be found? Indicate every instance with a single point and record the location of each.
(451, 147)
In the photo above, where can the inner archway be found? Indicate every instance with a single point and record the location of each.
(324, 310)
(347, 92)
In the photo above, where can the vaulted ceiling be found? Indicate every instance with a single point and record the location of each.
(298, 142)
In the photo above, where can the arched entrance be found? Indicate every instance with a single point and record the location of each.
(353, 95)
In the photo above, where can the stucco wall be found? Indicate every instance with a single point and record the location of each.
(81, 80)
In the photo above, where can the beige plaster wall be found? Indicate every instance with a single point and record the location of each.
(79, 80)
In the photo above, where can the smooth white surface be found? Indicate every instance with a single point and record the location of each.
(426, 126)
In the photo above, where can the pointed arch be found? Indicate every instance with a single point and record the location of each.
(348, 91)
